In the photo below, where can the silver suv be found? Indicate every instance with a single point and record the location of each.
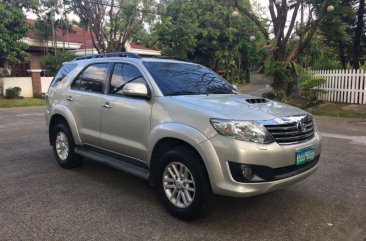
(180, 126)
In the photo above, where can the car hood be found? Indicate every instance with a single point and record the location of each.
(238, 107)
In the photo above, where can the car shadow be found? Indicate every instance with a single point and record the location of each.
(271, 207)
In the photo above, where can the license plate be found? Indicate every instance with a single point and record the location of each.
(304, 155)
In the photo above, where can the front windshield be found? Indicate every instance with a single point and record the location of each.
(187, 79)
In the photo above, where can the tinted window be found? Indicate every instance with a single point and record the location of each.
(187, 79)
(92, 78)
(122, 74)
(62, 73)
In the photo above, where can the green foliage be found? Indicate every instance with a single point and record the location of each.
(309, 86)
(43, 28)
(12, 93)
(363, 67)
(27, 4)
(327, 62)
(281, 75)
(204, 31)
(337, 32)
(12, 29)
(176, 38)
(52, 63)
(39, 95)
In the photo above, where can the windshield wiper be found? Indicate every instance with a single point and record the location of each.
(182, 92)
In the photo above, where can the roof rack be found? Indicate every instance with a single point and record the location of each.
(107, 55)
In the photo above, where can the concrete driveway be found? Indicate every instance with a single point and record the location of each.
(41, 201)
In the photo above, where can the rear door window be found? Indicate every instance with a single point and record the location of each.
(92, 79)
(62, 73)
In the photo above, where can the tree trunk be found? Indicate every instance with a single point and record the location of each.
(342, 56)
(358, 35)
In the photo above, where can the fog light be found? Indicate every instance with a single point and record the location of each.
(246, 171)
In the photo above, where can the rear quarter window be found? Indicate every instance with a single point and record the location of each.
(62, 73)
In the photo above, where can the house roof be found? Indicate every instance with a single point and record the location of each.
(80, 39)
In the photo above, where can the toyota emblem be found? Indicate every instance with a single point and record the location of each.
(300, 126)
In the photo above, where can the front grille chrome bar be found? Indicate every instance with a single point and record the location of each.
(293, 132)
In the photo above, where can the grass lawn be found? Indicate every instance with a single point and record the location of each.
(298, 102)
(337, 110)
(7, 103)
(328, 108)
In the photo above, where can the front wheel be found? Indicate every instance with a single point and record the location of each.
(182, 184)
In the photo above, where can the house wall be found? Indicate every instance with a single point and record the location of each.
(25, 83)
(45, 83)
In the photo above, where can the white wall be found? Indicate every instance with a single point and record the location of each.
(25, 83)
(45, 83)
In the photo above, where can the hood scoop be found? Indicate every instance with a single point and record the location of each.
(256, 100)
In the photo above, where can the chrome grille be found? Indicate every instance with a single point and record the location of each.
(293, 132)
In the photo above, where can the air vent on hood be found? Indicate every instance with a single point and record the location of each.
(255, 101)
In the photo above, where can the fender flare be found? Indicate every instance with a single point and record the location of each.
(67, 114)
(174, 130)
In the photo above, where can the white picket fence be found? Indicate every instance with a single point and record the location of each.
(347, 86)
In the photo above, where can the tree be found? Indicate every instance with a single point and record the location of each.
(44, 29)
(283, 50)
(12, 29)
(205, 32)
(113, 22)
(358, 34)
(336, 31)
(26, 4)
(52, 63)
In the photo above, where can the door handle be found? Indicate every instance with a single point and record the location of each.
(106, 105)
(70, 98)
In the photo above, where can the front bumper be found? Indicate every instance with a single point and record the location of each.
(218, 151)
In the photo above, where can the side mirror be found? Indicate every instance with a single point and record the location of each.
(135, 90)
(235, 86)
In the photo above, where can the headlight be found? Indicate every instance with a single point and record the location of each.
(242, 130)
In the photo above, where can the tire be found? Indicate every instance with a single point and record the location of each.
(64, 147)
(197, 203)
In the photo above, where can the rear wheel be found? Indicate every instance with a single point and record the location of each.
(64, 147)
(182, 184)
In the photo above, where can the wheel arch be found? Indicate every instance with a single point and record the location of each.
(63, 115)
(170, 135)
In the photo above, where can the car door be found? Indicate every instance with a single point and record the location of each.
(85, 99)
(125, 121)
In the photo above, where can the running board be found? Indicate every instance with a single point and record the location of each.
(115, 163)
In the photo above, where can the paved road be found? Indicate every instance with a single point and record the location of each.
(41, 201)
(257, 86)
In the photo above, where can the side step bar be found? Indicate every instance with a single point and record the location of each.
(115, 163)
